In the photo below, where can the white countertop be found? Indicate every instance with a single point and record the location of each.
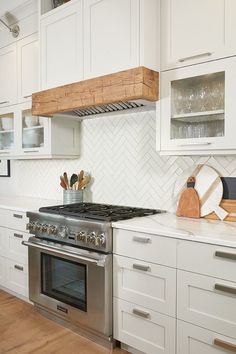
(201, 230)
(24, 204)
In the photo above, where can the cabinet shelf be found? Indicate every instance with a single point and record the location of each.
(6, 131)
(198, 114)
(33, 128)
(199, 117)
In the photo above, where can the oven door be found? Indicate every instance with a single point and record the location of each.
(73, 283)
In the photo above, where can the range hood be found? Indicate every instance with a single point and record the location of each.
(116, 92)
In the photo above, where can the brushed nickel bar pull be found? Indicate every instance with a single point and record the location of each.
(141, 267)
(3, 102)
(195, 144)
(207, 54)
(18, 216)
(4, 153)
(18, 235)
(141, 239)
(28, 96)
(30, 151)
(226, 255)
(225, 288)
(225, 345)
(140, 313)
(18, 267)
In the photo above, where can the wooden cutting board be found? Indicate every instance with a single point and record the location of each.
(230, 206)
(189, 203)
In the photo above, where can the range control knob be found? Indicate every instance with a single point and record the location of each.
(30, 226)
(93, 238)
(63, 231)
(101, 240)
(81, 236)
(50, 229)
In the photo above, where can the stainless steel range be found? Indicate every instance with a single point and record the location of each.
(70, 263)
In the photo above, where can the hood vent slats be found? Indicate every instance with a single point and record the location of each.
(116, 92)
(114, 107)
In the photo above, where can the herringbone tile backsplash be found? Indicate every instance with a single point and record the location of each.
(120, 153)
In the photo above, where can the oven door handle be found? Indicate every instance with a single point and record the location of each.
(98, 262)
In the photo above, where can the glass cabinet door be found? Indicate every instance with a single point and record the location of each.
(7, 131)
(33, 133)
(198, 107)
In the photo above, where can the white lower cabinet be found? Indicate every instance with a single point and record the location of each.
(195, 340)
(145, 284)
(144, 329)
(13, 255)
(160, 282)
(207, 302)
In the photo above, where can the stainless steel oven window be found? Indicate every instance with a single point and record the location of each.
(64, 280)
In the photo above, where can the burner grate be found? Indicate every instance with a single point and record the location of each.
(103, 212)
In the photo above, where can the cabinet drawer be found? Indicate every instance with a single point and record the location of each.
(151, 248)
(195, 340)
(207, 302)
(16, 251)
(145, 284)
(205, 259)
(17, 277)
(13, 219)
(143, 329)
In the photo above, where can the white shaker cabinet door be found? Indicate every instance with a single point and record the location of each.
(195, 340)
(8, 75)
(111, 41)
(195, 31)
(28, 67)
(62, 46)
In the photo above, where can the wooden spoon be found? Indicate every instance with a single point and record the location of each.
(63, 184)
(80, 178)
(66, 180)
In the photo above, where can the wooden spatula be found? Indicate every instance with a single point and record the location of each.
(189, 203)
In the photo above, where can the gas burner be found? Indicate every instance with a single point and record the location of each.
(101, 212)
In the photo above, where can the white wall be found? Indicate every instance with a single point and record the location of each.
(120, 153)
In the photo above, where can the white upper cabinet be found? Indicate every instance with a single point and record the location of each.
(111, 33)
(8, 75)
(195, 31)
(85, 39)
(28, 67)
(119, 35)
(197, 109)
(62, 45)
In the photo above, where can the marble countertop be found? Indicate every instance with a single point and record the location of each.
(201, 230)
(24, 204)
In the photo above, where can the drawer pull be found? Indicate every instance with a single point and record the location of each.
(207, 54)
(225, 345)
(141, 313)
(18, 235)
(18, 267)
(226, 289)
(141, 239)
(28, 96)
(226, 255)
(141, 267)
(18, 216)
(3, 102)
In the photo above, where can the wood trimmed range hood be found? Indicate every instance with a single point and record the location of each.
(120, 91)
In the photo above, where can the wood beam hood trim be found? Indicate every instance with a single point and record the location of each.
(129, 85)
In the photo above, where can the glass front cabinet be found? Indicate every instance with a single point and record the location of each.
(23, 136)
(198, 109)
